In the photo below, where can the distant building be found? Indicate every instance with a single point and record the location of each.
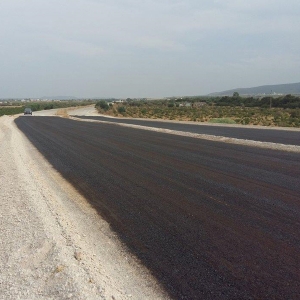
(198, 104)
(185, 104)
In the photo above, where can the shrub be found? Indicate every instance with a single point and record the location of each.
(49, 106)
(102, 104)
(121, 109)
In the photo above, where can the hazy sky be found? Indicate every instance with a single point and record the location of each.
(149, 48)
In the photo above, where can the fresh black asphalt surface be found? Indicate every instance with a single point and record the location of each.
(286, 137)
(210, 220)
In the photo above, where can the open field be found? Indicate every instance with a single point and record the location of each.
(210, 111)
(38, 106)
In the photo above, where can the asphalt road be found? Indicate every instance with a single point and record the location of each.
(210, 220)
(281, 136)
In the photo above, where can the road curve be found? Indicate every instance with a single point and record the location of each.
(210, 220)
(270, 135)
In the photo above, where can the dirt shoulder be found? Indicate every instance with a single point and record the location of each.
(54, 245)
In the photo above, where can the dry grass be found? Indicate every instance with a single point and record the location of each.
(283, 117)
(63, 112)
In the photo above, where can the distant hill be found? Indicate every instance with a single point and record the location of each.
(290, 88)
(58, 98)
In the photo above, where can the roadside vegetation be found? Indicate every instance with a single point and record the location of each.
(267, 111)
(18, 107)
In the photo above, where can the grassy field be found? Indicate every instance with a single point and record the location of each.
(203, 112)
(41, 105)
(6, 110)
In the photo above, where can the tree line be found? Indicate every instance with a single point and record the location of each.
(287, 101)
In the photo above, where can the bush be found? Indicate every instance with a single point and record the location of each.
(102, 104)
(49, 106)
(10, 110)
(121, 109)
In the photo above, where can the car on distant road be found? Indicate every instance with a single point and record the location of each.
(27, 111)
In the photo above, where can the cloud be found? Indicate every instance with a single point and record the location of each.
(63, 45)
(152, 37)
(161, 25)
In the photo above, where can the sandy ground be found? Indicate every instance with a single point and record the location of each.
(53, 245)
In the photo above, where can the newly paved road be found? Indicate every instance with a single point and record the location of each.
(210, 220)
(287, 137)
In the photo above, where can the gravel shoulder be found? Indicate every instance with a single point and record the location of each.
(53, 244)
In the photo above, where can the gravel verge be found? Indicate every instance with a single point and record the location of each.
(53, 244)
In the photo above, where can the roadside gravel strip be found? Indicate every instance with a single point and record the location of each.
(266, 145)
(53, 244)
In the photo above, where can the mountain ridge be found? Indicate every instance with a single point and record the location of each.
(288, 88)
